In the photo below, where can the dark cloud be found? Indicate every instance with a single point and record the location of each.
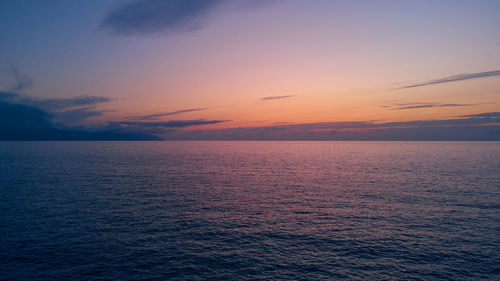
(404, 106)
(150, 16)
(275, 97)
(16, 116)
(66, 110)
(455, 78)
(21, 80)
(22, 122)
(158, 115)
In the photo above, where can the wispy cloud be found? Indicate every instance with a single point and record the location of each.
(454, 78)
(158, 115)
(21, 80)
(275, 97)
(150, 16)
(405, 106)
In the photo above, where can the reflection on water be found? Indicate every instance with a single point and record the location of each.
(249, 210)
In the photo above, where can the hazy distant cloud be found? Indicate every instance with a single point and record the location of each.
(446, 122)
(275, 97)
(455, 78)
(150, 16)
(158, 115)
(448, 129)
(404, 106)
(169, 124)
(484, 115)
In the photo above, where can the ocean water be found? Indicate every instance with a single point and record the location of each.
(249, 210)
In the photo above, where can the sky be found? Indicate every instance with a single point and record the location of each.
(252, 69)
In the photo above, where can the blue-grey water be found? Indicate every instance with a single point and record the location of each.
(249, 210)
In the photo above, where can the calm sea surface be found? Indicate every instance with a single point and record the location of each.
(249, 210)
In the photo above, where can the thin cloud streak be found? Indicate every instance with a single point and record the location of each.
(53, 104)
(276, 97)
(169, 124)
(158, 115)
(455, 78)
(426, 105)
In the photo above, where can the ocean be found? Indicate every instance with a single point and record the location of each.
(250, 210)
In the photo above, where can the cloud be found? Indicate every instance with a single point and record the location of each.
(155, 116)
(66, 110)
(473, 128)
(22, 81)
(150, 16)
(64, 103)
(63, 110)
(443, 123)
(52, 104)
(455, 78)
(484, 115)
(169, 124)
(22, 122)
(17, 117)
(76, 116)
(276, 97)
(405, 106)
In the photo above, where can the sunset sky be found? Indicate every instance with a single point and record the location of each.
(226, 66)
